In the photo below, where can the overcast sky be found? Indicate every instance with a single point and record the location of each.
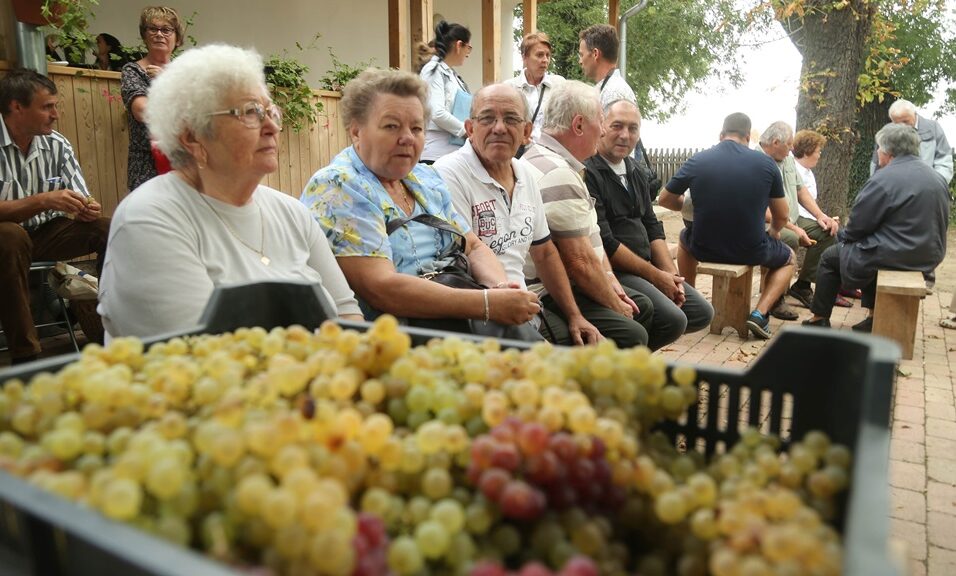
(772, 72)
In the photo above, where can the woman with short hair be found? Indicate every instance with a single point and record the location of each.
(210, 222)
(364, 200)
(162, 32)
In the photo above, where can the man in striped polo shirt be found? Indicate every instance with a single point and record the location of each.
(46, 211)
(571, 130)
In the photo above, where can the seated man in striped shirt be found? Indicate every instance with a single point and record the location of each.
(46, 211)
(572, 128)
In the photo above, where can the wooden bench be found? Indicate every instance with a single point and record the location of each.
(733, 288)
(897, 306)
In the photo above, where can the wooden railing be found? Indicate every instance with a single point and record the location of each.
(92, 117)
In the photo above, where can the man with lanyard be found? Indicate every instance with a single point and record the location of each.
(46, 211)
(597, 55)
(535, 82)
(504, 204)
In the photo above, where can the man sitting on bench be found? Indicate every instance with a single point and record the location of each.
(898, 222)
(733, 186)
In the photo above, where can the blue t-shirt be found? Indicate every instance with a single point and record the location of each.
(731, 187)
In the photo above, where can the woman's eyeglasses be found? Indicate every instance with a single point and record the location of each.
(253, 114)
(164, 31)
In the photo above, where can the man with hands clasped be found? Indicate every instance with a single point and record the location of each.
(46, 211)
(633, 237)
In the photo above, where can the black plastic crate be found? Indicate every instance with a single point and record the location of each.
(807, 379)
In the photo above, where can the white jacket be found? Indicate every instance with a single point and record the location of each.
(443, 84)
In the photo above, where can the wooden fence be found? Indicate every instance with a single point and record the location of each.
(92, 117)
(666, 161)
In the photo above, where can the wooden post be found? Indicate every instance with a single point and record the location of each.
(530, 16)
(398, 38)
(613, 12)
(421, 12)
(490, 41)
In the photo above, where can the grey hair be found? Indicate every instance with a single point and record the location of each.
(779, 130)
(902, 107)
(569, 99)
(193, 86)
(360, 93)
(898, 140)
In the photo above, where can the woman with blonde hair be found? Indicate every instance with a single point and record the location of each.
(162, 32)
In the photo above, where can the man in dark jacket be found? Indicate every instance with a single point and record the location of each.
(897, 222)
(632, 235)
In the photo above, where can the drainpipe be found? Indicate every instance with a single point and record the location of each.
(622, 33)
(31, 47)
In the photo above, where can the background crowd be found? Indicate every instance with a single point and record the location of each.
(522, 210)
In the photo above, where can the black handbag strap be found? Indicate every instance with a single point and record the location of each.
(540, 99)
(434, 222)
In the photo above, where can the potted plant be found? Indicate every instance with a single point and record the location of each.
(339, 75)
(285, 77)
(65, 19)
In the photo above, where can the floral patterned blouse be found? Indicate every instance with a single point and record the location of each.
(353, 208)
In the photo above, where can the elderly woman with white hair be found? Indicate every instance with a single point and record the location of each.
(210, 221)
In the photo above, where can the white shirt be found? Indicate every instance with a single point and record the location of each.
(616, 88)
(508, 227)
(811, 183)
(531, 94)
(168, 249)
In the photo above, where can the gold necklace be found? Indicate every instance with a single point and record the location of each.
(262, 230)
(406, 203)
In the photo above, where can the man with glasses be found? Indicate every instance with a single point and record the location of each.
(633, 237)
(46, 211)
(492, 188)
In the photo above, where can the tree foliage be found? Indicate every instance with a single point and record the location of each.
(673, 45)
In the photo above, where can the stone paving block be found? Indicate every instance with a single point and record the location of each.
(912, 414)
(910, 398)
(939, 395)
(907, 451)
(941, 530)
(913, 533)
(941, 428)
(941, 561)
(908, 475)
(941, 497)
(908, 505)
(941, 469)
(940, 447)
(942, 411)
(909, 431)
(939, 369)
(916, 568)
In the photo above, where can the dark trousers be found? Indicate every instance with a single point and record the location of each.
(626, 332)
(829, 282)
(58, 239)
(670, 322)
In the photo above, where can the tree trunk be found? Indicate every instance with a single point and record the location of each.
(831, 42)
(873, 116)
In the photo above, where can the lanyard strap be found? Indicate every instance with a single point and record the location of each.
(540, 99)
(606, 78)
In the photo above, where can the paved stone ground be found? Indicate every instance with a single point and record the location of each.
(923, 439)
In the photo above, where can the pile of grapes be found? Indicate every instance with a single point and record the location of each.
(336, 452)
